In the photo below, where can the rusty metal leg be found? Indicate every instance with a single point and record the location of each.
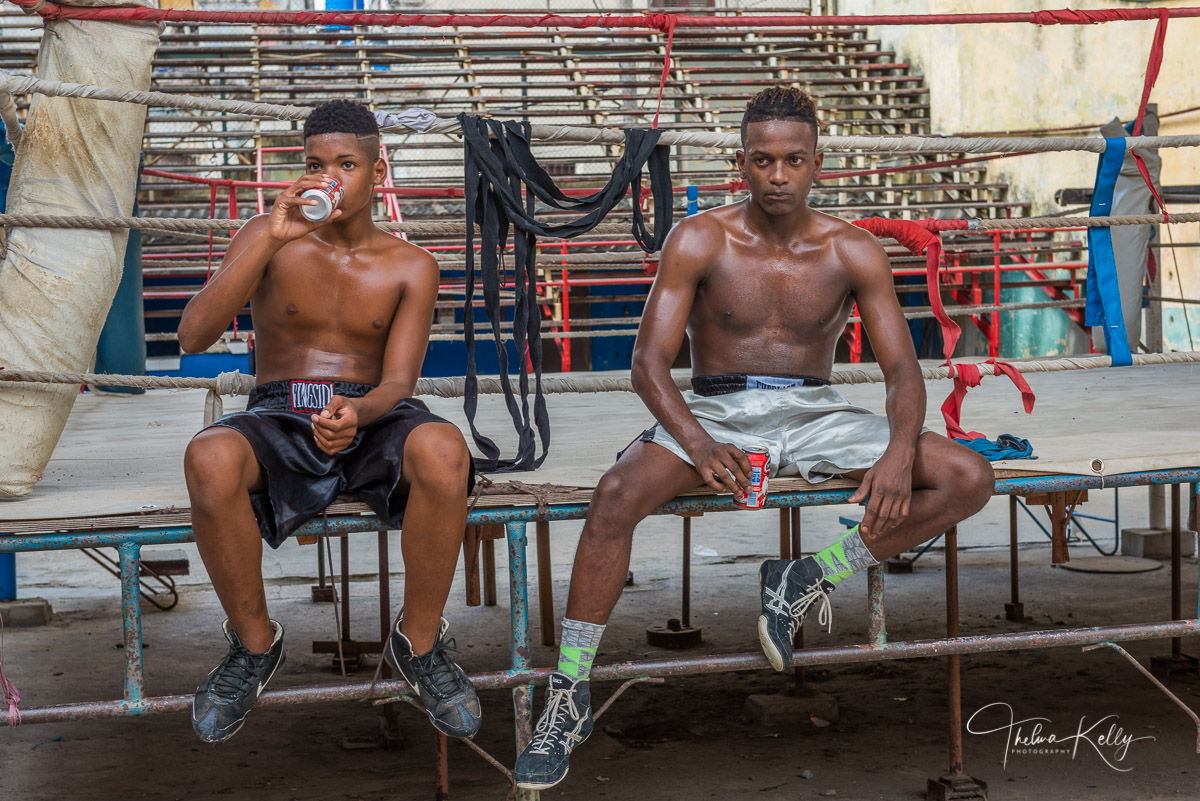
(1014, 609)
(345, 581)
(1178, 662)
(678, 633)
(953, 663)
(545, 583)
(955, 784)
(877, 625)
(471, 565)
(1059, 552)
(785, 535)
(130, 556)
(489, 571)
(518, 583)
(441, 769)
(389, 720)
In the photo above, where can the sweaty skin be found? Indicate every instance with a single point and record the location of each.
(335, 300)
(765, 285)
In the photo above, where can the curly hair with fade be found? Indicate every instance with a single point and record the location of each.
(343, 116)
(782, 103)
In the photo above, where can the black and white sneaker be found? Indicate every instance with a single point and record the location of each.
(442, 686)
(225, 697)
(789, 588)
(565, 723)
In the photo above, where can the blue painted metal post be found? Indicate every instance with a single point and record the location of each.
(131, 616)
(518, 593)
(8, 576)
(693, 200)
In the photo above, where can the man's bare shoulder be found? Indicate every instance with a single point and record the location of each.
(697, 233)
(855, 247)
(406, 254)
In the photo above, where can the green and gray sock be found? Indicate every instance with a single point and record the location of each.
(579, 643)
(845, 557)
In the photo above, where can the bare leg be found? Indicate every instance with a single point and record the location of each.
(221, 472)
(950, 483)
(645, 478)
(436, 463)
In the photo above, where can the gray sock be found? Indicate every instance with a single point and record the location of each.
(579, 643)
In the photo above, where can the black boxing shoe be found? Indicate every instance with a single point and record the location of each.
(789, 588)
(225, 697)
(442, 686)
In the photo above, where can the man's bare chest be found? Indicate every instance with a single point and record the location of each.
(363, 302)
(797, 296)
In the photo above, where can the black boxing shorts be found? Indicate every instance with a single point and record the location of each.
(301, 478)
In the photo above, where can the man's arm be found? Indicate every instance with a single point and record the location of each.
(335, 426)
(681, 268)
(888, 484)
(210, 310)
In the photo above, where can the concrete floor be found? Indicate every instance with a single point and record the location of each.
(684, 739)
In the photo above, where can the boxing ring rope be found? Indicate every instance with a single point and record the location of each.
(241, 383)
(569, 134)
(181, 224)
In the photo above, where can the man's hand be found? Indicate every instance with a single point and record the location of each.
(887, 488)
(287, 221)
(334, 426)
(723, 467)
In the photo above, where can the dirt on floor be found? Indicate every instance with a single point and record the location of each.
(1118, 736)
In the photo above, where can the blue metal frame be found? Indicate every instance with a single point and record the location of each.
(8, 576)
(521, 675)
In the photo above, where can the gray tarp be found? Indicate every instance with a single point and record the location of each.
(1131, 243)
(77, 157)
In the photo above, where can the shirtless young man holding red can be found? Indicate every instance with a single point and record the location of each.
(763, 288)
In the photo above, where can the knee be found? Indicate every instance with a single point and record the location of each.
(977, 480)
(438, 454)
(213, 466)
(612, 512)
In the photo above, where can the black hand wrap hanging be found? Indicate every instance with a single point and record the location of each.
(503, 182)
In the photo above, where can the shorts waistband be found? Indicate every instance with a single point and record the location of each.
(710, 385)
(303, 395)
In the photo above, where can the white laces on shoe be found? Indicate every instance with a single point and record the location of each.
(777, 603)
(559, 701)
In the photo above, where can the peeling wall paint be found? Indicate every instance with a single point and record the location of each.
(1016, 77)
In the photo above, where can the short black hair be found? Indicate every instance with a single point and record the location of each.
(341, 116)
(782, 103)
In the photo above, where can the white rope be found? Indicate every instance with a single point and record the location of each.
(1008, 224)
(175, 225)
(241, 384)
(568, 134)
(168, 225)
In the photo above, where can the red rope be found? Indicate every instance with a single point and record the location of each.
(967, 376)
(659, 22)
(669, 21)
(920, 239)
(1153, 65)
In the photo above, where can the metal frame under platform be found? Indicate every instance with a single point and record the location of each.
(521, 676)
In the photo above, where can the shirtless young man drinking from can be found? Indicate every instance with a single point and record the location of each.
(763, 288)
(342, 312)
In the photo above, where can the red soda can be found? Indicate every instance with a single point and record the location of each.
(756, 496)
(328, 198)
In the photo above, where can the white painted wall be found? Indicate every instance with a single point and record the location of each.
(1020, 76)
